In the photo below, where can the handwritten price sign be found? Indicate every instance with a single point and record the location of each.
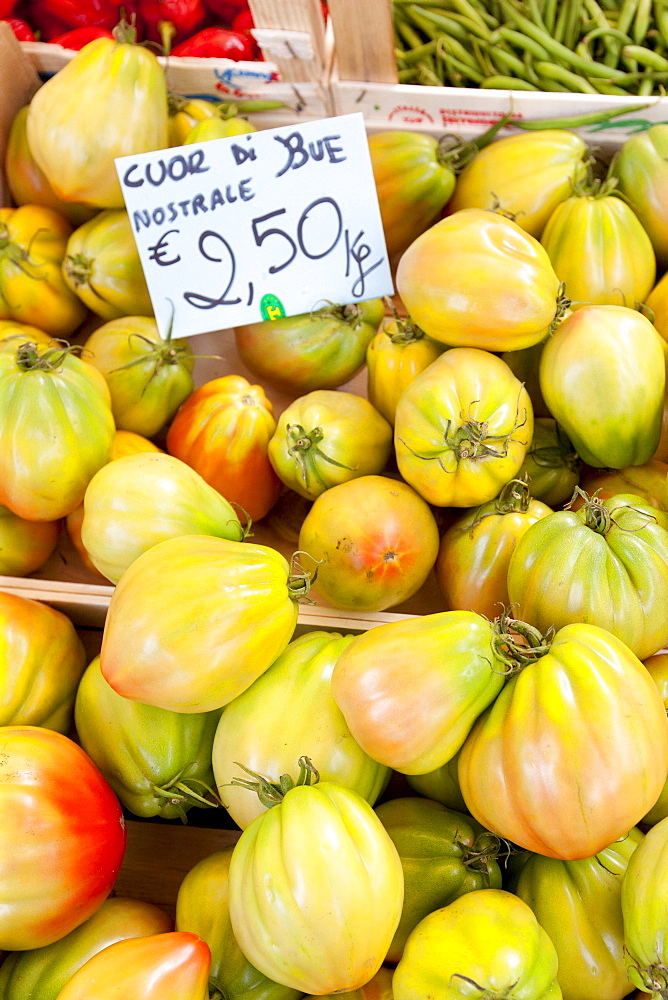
(257, 226)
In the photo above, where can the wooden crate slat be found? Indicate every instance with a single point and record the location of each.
(364, 36)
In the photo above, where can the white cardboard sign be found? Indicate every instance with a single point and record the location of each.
(256, 226)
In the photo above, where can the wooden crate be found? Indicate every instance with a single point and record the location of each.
(364, 78)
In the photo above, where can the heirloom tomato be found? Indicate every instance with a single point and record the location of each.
(599, 248)
(472, 562)
(574, 750)
(443, 854)
(477, 279)
(136, 501)
(43, 972)
(62, 849)
(657, 304)
(148, 377)
(644, 904)
(25, 545)
(218, 128)
(487, 939)
(41, 662)
(327, 438)
(202, 908)
(641, 167)
(222, 431)
(185, 113)
(33, 240)
(102, 267)
(170, 966)
(398, 352)
(373, 541)
(315, 887)
(606, 563)
(57, 430)
(268, 728)
(411, 690)
(462, 428)
(158, 762)
(317, 350)
(25, 180)
(413, 183)
(551, 463)
(578, 904)
(125, 443)
(525, 176)
(222, 614)
(74, 149)
(585, 366)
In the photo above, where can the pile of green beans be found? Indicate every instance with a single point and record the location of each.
(578, 46)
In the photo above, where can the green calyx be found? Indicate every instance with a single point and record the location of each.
(30, 358)
(183, 792)
(454, 154)
(272, 793)
(303, 448)
(518, 644)
(78, 268)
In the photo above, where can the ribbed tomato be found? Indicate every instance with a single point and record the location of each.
(56, 430)
(644, 903)
(606, 563)
(524, 175)
(642, 171)
(398, 352)
(462, 428)
(297, 917)
(477, 279)
(578, 903)
(62, 850)
(253, 728)
(222, 614)
(202, 908)
(373, 541)
(574, 750)
(42, 659)
(585, 365)
(25, 545)
(222, 431)
(411, 690)
(488, 940)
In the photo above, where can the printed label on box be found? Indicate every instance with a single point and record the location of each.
(264, 224)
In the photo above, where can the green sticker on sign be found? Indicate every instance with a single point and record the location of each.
(271, 307)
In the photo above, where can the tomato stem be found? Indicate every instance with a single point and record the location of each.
(271, 793)
(518, 644)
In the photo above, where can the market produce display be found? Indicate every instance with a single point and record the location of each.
(469, 802)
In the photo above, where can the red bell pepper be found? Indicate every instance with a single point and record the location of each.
(183, 18)
(21, 28)
(80, 13)
(227, 10)
(78, 37)
(219, 43)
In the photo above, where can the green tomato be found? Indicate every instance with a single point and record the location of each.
(444, 854)
(153, 758)
(317, 350)
(578, 904)
(486, 943)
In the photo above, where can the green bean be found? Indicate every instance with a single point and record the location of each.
(407, 75)
(413, 56)
(626, 15)
(646, 85)
(409, 35)
(604, 87)
(573, 23)
(557, 51)
(456, 49)
(646, 57)
(559, 29)
(591, 118)
(468, 10)
(550, 15)
(661, 19)
(660, 76)
(573, 81)
(433, 24)
(506, 83)
(641, 21)
(455, 23)
(428, 76)
(506, 62)
(452, 62)
(520, 41)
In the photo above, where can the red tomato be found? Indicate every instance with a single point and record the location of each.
(222, 431)
(171, 966)
(63, 839)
